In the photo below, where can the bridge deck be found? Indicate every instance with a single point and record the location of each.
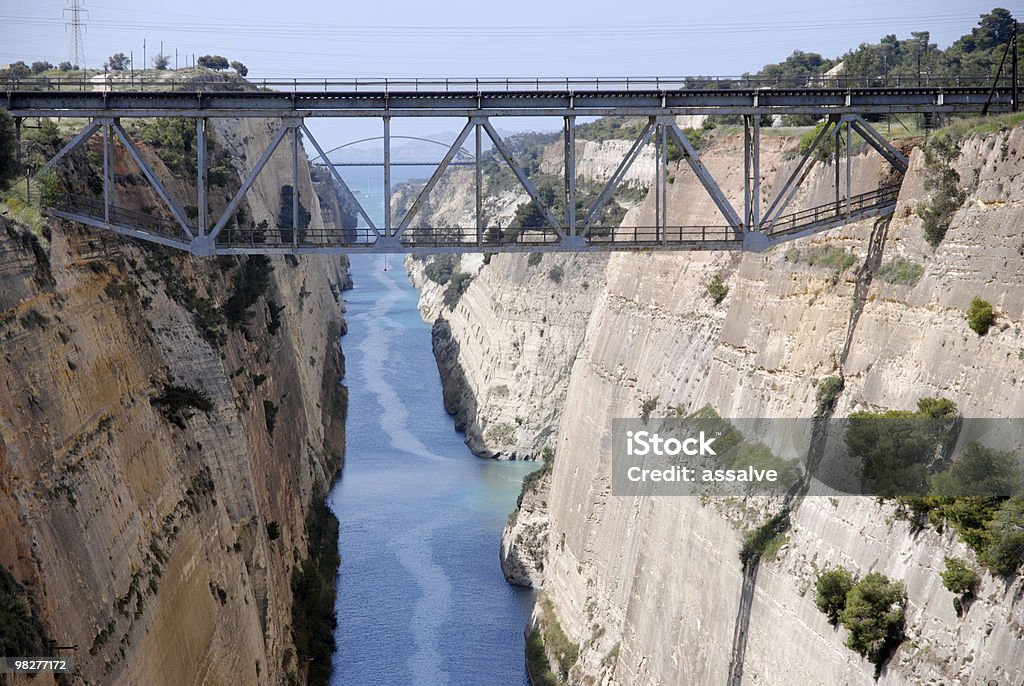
(206, 103)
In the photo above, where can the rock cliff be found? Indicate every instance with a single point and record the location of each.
(157, 459)
(648, 588)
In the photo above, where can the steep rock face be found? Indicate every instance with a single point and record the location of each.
(505, 361)
(524, 541)
(143, 534)
(649, 587)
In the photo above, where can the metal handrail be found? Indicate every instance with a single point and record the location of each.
(477, 85)
(880, 197)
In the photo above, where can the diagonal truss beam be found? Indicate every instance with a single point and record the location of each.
(619, 174)
(260, 164)
(153, 180)
(521, 175)
(702, 173)
(792, 184)
(84, 135)
(879, 143)
(349, 195)
(435, 177)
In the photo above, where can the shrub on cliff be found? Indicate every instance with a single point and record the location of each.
(980, 316)
(944, 183)
(250, 284)
(959, 577)
(901, 272)
(830, 592)
(717, 289)
(8, 150)
(828, 392)
(440, 268)
(556, 273)
(457, 285)
(874, 616)
(176, 400)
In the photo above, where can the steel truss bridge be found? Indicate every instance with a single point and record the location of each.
(656, 101)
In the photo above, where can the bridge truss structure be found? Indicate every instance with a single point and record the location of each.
(656, 103)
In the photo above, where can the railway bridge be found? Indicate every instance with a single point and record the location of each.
(845, 107)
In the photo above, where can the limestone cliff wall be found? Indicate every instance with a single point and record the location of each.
(649, 588)
(146, 541)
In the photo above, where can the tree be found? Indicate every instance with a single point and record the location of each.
(217, 62)
(160, 61)
(1005, 551)
(67, 66)
(17, 70)
(8, 149)
(529, 216)
(830, 592)
(960, 577)
(874, 616)
(240, 68)
(40, 67)
(118, 61)
(980, 316)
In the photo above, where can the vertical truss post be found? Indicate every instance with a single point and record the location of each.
(752, 148)
(387, 176)
(478, 135)
(659, 144)
(849, 175)
(202, 198)
(295, 186)
(569, 137)
(106, 172)
(838, 139)
(747, 222)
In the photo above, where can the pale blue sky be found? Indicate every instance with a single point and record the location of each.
(406, 38)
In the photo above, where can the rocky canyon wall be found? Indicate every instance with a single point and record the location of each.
(157, 461)
(648, 588)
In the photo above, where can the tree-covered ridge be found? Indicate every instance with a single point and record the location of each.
(976, 54)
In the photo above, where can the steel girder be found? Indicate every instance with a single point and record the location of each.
(750, 230)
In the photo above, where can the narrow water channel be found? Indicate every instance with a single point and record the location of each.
(421, 596)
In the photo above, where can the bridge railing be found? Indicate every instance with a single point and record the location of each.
(653, 235)
(120, 215)
(841, 211)
(462, 85)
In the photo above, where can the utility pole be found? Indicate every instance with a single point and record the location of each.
(77, 47)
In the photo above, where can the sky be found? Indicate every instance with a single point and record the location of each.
(463, 38)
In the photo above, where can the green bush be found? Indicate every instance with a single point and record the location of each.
(944, 183)
(457, 285)
(980, 316)
(874, 616)
(534, 259)
(828, 392)
(270, 416)
(273, 530)
(440, 268)
(901, 272)
(830, 592)
(1004, 534)
(647, 406)
(176, 400)
(766, 538)
(717, 289)
(960, 577)
(8, 150)
(556, 273)
(314, 592)
(250, 284)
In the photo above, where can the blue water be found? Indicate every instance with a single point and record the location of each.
(421, 596)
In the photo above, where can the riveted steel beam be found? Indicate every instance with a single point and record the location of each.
(153, 180)
(618, 175)
(710, 185)
(257, 168)
(520, 174)
(435, 177)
